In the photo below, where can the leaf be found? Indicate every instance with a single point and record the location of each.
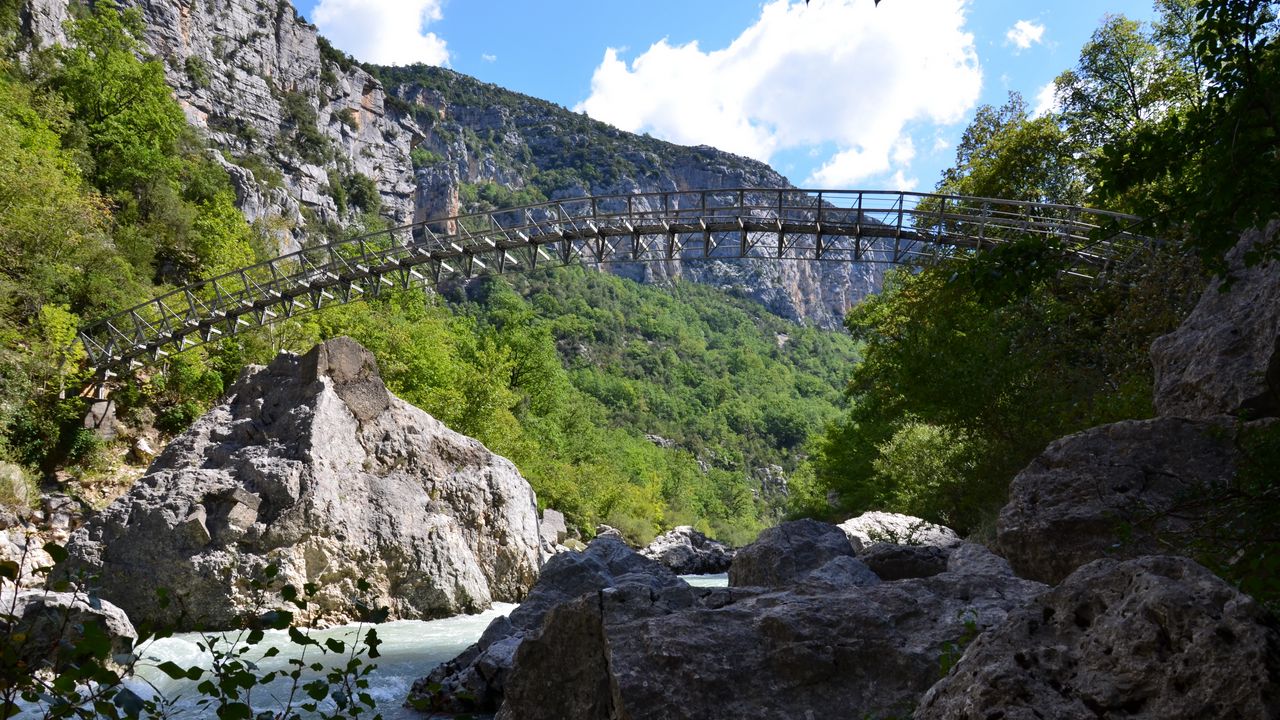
(56, 551)
(9, 570)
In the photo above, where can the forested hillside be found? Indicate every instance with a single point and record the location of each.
(112, 197)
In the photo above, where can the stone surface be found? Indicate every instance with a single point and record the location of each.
(312, 466)
(875, 527)
(785, 553)
(475, 680)
(688, 552)
(50, 620)
(899, 562)
(1105, 491)
(846, 652)
(23, 545)
(1225, 357)
(1153, 638)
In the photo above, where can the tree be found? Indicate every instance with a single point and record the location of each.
(1006, 153)
(1208, 170)
(123, 111)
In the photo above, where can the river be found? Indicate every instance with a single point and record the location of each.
(409, 650)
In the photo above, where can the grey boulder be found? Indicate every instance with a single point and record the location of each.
(847, 650)
(899, 562)
(785, 553)
(42, 627)
(1152, 638)
(1225, 357)
(688, 552)
(897, 529)
(1110, 491)
(312, 466)
(475, 680)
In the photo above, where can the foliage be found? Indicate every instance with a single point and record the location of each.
(1006, 153)
(965, 378)
(103, 192)
(422, 157)
(1206, 170)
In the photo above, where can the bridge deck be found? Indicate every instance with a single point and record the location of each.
(816, 225)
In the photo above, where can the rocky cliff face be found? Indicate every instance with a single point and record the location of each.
(298, 122)
(312, 466)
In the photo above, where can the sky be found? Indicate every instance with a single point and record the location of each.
(835, 94)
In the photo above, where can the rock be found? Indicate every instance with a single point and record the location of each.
(973, 559)
(312, 466)
(688, 552)
(141, 452)
(874, 527)
(1109, 490)
(474, 681)
(552, 528)
(785, 553)
(51, 621)
(838, 573)
(603, 530)
(23, 545)
(1157, 638)
(1225, 357)
(852, 652)
(899, 562)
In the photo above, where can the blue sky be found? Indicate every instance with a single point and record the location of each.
(839, 93)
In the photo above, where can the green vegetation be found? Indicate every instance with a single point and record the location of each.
(969, 369)
(567, 377)
(105, 195)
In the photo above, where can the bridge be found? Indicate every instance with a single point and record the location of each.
(779, 223)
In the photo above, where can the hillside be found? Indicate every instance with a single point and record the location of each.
(639, 406)
(316, 143)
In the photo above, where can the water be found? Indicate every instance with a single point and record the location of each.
(717, 580)
(409, 650)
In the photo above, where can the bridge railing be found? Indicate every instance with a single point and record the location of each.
(784, 223)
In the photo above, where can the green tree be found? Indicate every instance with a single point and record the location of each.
(123, 112)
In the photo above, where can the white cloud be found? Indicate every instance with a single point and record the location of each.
(1046, 100)
(1025, 33)
(489, 57)
(389, 32)
(843, 72)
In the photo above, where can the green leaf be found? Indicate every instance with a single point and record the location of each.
(56, 551)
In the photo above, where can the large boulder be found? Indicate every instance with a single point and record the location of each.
(897, 529)
(41, 625)
(312, 466)
(1158, 638)
(474, 681)
(1110, 491)
(1225, 357)
(787, 552)
(899, 562)
(688, 552)
(831, 650)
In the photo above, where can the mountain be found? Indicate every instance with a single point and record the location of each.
(314, 140)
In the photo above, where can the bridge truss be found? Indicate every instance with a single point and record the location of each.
(822, 225)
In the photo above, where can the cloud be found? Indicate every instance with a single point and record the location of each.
(1046, 100)
(838, 72)
(388, 32)
(489, 57)
(1024, 34)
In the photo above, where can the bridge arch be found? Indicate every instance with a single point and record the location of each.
(779, 223)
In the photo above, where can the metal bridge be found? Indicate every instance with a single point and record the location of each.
(787, 223)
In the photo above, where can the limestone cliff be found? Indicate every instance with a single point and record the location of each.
(298, 123)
